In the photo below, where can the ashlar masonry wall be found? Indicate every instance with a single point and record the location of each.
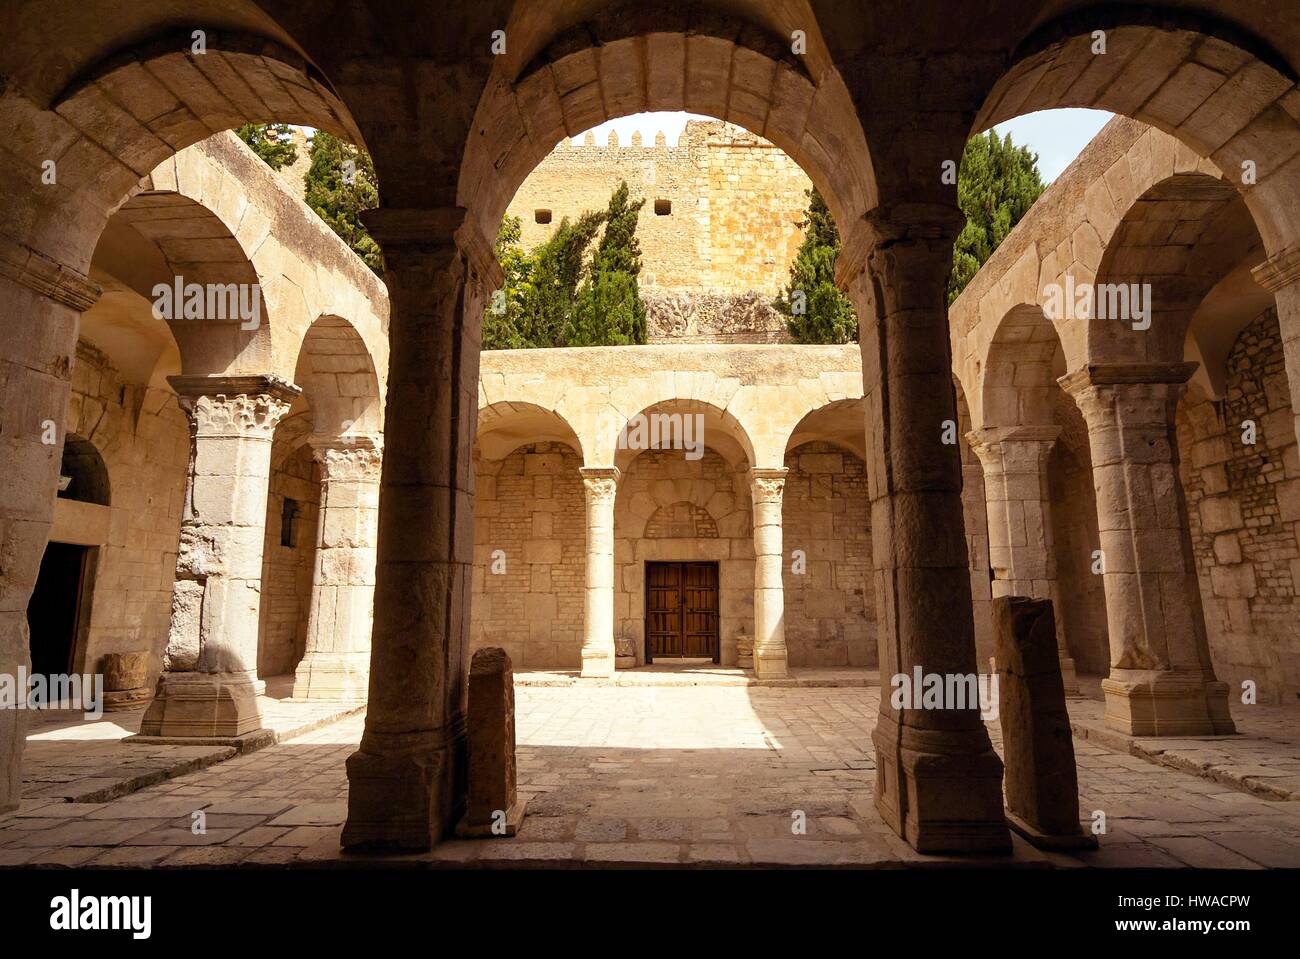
(1243, 504)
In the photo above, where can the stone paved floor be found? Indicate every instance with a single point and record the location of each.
(70, 759)
(646, 775)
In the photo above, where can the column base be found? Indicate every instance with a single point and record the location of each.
(771, 665)
(333, 676)
(405, 792)
(204, 705)
(597, 665)
(1069, 675)
(1166, 703)
(940, 802)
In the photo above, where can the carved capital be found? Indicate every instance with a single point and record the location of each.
(1013, 448)
(248, 406)
(349, 458)
(600, 483)
(767, 485)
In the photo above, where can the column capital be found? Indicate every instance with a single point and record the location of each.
(250, 405)
(46, 276)
(1278, 272)
(600, 482)
(1126, 374)
(886, 226)
(436, 229)
(357, 457)
(991, 439)
(767, 483)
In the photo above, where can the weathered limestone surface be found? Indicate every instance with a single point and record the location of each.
(1042, 786)
(493, 806)
(336, 664)
(209, 686)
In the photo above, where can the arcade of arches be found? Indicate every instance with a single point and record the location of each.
(323, 484)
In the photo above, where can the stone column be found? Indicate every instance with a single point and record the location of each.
(601, 486)
(42, 302)
(1280, 275)
(767, 486)
(209, 685)
(1161, 679)
(938, 780)
(336, 664)
(407, 779)
(1020, 529)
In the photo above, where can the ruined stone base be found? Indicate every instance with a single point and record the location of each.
(405, 798)
(333, 676)
(941, 802)
(1166, 703)
(514, 818)
(1051, 841)
(625, 662)
(119, 699)
(203, 705)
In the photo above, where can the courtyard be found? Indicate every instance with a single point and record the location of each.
(648, 774)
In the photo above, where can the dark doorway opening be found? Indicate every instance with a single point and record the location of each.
(54, 613)
(681, 611)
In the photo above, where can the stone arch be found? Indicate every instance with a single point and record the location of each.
(615, 66)
(172, 251)
(86, 471)
(1181, 236)
(1018, 380)
(1222, 92)
(506, 425)
(338, 380)
(120, 117)
(687, 424)
(838, 422)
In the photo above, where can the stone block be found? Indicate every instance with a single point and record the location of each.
(494, 807)
(1042, 786)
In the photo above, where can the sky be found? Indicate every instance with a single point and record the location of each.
(1056, 136)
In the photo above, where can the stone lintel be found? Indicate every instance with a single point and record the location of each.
(1119, 374)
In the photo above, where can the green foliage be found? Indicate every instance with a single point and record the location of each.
(996, 185)
(271, 142)
(814, 308)
(338, 202)
(554, 297)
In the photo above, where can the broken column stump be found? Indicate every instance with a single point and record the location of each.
(1042, 783)
(494, 808)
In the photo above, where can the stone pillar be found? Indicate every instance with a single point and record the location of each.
(494, 808)
(407, 779)
(336, 664)
(1021, 551)
(42, 302)
(1161, 679)
(1280, 275)
(766, 489)
(601, 486)
(1042, 781)
(938, 780)
(209, 685)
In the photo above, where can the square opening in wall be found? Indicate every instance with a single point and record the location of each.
(542, 216)
(663, 207)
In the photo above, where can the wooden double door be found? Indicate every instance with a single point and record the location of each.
(681, 611)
